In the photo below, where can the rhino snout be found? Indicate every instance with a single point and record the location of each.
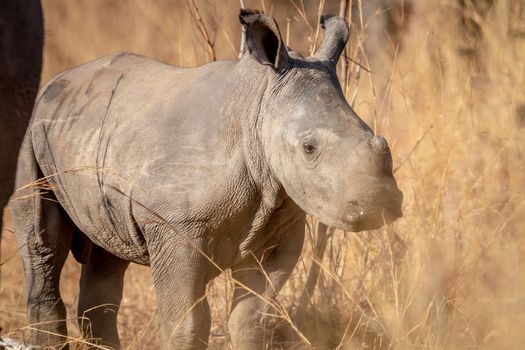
(386, 209)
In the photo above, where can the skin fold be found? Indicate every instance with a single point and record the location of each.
(192, 171)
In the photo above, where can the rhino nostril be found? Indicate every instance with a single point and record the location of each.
(352, 216)
(353, 213)
(379, 144)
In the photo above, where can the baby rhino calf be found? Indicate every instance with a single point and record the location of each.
(192, 171)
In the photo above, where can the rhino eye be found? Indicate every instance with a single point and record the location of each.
(308, 147)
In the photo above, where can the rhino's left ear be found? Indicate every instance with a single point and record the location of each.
(335, 38)
(263, 39)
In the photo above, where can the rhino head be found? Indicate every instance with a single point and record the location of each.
(326, 158)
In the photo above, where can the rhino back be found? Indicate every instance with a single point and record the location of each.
(125, 131)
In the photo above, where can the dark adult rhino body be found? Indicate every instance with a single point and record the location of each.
(21, 42)
(192, 171)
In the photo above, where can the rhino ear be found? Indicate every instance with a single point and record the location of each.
(335, 38)
(262, 39)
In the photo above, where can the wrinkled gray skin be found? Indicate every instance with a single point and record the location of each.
(21, 42)
(175, 168)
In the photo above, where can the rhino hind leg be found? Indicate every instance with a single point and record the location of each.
(44, 236)
(81, 246)
(101, 286)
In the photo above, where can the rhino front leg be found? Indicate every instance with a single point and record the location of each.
(247, 319)
(101, 285)
(180, 274)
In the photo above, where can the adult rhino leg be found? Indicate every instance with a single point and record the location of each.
(101, 285)
(250, 305)
(180, 274)
(22, 35)
(44, 236)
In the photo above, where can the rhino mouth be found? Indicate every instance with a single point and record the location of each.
(373, 221)
(357, 218)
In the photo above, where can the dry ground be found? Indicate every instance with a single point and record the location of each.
(450, 273)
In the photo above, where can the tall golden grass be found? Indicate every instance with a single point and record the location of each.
(451, 273)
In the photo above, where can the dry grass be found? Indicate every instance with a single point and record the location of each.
(450, 273)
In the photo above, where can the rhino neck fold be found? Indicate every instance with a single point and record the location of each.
(257, 162)
(254, 86)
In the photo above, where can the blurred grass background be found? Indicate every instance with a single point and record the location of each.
(444, 82)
